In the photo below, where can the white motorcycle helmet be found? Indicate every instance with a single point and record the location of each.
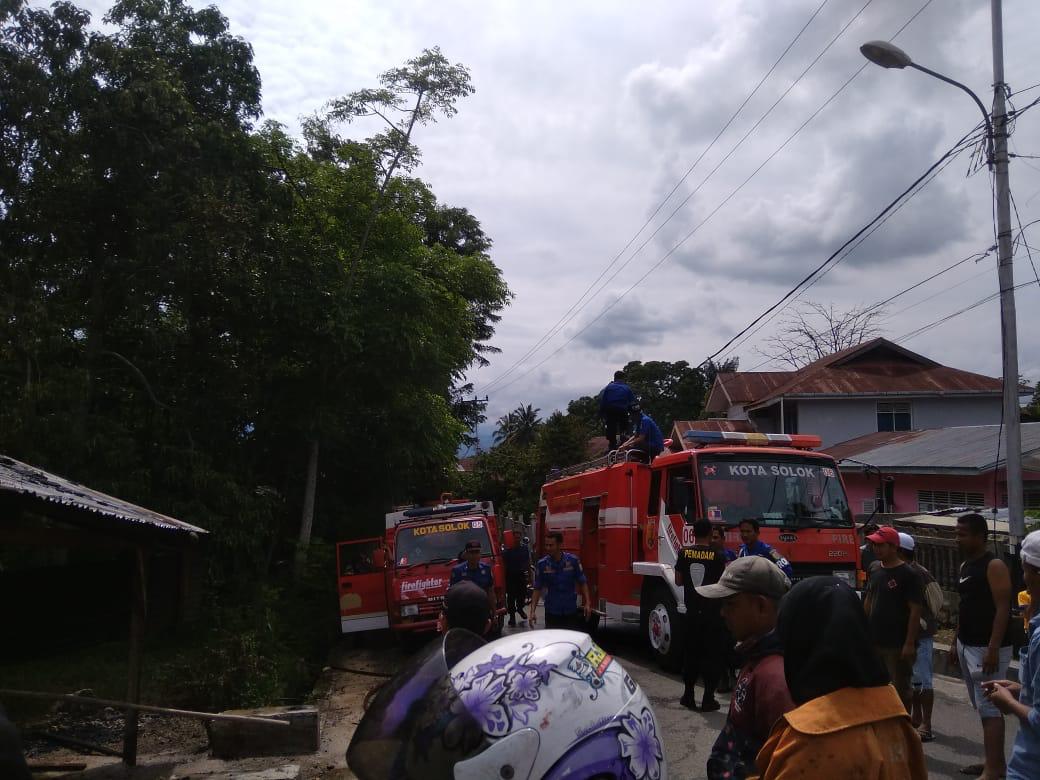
(539, 704)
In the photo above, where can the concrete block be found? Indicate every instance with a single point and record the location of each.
(240, 740)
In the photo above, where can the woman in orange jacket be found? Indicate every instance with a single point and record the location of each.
(849, 722)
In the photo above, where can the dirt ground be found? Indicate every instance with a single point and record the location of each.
(175, 748)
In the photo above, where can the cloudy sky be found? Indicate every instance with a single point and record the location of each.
(587, 114)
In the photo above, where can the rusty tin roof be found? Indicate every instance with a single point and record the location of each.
(23, 480)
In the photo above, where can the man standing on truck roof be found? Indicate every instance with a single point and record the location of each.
(475, 570)
(752, 545)
(614, 402)
(647, 437)
(559, 576)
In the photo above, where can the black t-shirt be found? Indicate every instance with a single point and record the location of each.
(977, 611)
(700, 565)
(892, 591)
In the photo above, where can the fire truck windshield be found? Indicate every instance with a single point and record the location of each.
(439, 542)
(776, 491)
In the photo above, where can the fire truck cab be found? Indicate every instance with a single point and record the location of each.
(627, 520)
(398, 581)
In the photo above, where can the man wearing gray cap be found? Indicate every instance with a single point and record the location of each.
(750, 589)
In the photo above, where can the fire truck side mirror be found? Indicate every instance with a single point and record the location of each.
(379, 558)
(509, 539)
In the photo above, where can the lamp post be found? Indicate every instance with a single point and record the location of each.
(888, 55)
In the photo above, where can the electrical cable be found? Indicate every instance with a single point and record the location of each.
(948, 317)
(876, 225)
(715, 210)
(580, 304)
(685, 238)
(1021, 233)
(952, 151)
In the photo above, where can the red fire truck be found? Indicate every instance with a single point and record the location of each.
(398, 580)
(627, 520)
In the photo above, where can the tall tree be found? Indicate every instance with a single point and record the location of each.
(181, 312)
(415, 94)
(518, 426)
(813, 330)
(667, 391)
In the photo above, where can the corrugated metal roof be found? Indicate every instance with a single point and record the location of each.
(24, 480)
(968, 449)
(741, 387)
(879, 367)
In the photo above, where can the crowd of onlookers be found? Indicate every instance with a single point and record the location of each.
(827, 673)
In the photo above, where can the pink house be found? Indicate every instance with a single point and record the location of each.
(939, 468)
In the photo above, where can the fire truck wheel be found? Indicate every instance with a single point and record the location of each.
(663, 627)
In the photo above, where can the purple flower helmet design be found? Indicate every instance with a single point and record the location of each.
(483, 700)
(503, 690)
(640, 745)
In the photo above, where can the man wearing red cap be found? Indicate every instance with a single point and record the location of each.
(894, 601)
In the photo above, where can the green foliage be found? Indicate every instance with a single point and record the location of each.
(667, 391)
(188, 299)
(518, 426)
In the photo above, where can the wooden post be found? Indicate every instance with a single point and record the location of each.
(138, 616)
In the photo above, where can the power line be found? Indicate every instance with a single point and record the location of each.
(1022, 237)
(951, 152)
(1027, 89)
(585, 298)
(755, 172)
(876, 226)
(948, 317)
(685, 238)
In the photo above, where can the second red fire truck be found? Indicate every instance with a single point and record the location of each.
(627, 520)
(398, 580)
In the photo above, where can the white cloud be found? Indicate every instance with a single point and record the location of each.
(587, 113)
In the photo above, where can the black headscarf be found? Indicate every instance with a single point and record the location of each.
(826, 640)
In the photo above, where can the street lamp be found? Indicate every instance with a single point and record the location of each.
(888, 55)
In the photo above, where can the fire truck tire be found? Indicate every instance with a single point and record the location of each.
(662, 626)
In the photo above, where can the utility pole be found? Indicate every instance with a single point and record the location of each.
(1006, 277)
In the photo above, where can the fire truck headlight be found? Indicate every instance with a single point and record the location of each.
(846, 575)
(409, 609)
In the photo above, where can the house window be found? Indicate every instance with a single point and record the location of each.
(1030, 496)
(872, 505)
(934, 500)
(893, 416)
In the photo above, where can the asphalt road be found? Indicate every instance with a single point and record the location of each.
(688, 735)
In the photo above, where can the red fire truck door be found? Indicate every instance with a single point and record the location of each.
(362, 587)
(590, 546)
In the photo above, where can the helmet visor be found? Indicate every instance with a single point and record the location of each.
(416, 726)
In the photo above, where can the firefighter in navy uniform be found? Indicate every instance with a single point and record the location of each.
(476, 571)
(702, 564)
(559, 576)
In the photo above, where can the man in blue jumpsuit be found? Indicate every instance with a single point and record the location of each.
(646, 437)
(476, 571)
(614, 402)
(559, 576)
(752, 545)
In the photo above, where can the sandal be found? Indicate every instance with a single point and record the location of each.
(926, 735)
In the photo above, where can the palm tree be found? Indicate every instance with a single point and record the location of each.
(518, 426)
